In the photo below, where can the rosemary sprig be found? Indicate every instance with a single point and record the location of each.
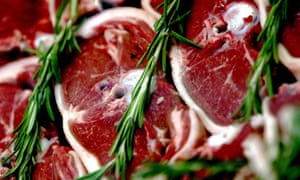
(262, 66)
(133, 117)
(26, 141)
(176, 170)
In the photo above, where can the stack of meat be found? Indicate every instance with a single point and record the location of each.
(188, 117)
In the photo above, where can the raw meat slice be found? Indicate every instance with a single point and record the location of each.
(20, 72)
(15, 88)
(92, 94)
(21, 23)
(13, 103)
(16, 84)
(187, 134)
(58, 162)
(288, 95)
(97, 85)
(189, 139)
(291, 33)
(226, 145)
(212, 80)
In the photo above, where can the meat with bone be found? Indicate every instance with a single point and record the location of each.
(96, 90)
(98, 81)
(224, 145)
(212, 80)
(291, 33)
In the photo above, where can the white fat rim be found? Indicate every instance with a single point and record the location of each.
(89, 160)
(45, 146)
(10, 71)
(261, 152)
(262, 8)
(291, 62)
(78, 163)
(52, 11)
(146, 4)
(270, 130)
(176, 56)
(196, 132)
(254, 151)
(119, 13)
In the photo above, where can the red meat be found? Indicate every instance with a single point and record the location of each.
(212, 80)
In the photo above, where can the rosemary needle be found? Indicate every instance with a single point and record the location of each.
(26, 141)
(262, 66)
(122, 149)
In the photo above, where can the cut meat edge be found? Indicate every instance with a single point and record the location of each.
(87, 30)
(176, 56)
(188, 132)
(262, 7)
(89, 160)
(10, 71)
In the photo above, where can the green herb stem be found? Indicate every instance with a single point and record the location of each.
(262, 66)
(180, 168)
(27, 134)
(133, 117)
